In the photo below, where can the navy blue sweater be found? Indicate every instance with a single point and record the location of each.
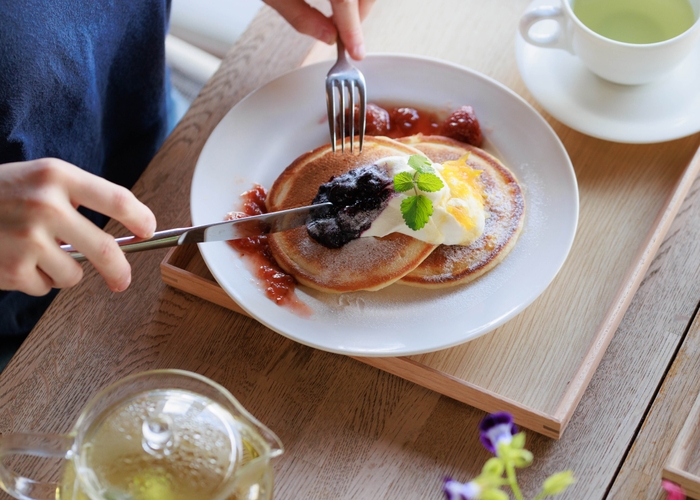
(84, 81)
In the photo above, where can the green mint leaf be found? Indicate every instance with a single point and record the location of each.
(403, 181)
(429, 183)
(421, 164)
(416, 210)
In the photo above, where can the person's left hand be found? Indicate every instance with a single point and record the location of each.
(346, 21)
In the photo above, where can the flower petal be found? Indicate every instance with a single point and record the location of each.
(454, 490)
(495, 427)
(673, 491)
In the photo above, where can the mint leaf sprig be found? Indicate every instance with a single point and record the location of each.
(417, 209)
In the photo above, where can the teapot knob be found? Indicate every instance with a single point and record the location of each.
(158, 435)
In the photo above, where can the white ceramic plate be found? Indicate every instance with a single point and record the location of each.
(261, 135)
(659, 111)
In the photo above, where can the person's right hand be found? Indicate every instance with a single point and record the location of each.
(345, 22)
(38, 212)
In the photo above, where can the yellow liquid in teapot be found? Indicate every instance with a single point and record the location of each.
(169, 445)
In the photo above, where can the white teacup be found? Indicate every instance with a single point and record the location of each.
(619, 62)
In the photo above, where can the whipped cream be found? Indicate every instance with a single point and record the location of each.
(442, 227)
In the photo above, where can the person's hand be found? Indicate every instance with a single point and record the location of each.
(346, 21)
(38, 212)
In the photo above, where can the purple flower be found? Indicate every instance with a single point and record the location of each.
(495, 428)
(454, 490)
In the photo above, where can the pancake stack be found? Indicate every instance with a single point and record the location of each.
(362, 264)
(371, 263)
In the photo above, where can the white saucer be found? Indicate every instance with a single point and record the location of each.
(659, 111)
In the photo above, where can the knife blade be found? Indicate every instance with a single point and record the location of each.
(217, 231)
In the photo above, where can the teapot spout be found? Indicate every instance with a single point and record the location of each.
(274, 444)
(254, 476)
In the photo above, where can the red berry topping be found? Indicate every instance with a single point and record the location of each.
(463, 126)
(378, 122)
(405, 119)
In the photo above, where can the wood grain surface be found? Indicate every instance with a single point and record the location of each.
(681, 466)
(351, 430)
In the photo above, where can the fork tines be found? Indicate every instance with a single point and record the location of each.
(349, 82)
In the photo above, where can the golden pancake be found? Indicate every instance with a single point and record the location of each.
(452, 265)
(362, 264)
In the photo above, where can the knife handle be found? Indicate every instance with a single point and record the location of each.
(160, 239)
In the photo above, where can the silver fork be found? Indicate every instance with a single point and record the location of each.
(345, 77)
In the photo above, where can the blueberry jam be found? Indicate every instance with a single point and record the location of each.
(358, 197)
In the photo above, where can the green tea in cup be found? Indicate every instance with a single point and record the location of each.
(630, 42)
(636, 21)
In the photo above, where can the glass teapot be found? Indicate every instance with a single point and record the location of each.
(158, 435)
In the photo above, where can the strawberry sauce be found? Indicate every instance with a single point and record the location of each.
(407, 121)
(402, 121)
(255, 250)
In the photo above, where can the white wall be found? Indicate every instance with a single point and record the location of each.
(212, 25)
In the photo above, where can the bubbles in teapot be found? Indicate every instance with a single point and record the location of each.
(169, 445)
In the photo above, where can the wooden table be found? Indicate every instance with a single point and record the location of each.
(350, 430)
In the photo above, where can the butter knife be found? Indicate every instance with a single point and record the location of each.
(217, 231)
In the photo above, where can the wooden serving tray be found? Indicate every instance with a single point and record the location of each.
(537, 365)
(683, 464)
